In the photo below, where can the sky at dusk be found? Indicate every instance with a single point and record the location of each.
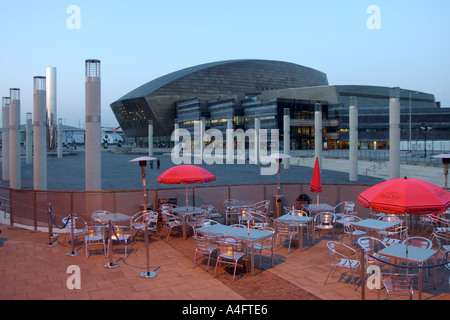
(385, 43)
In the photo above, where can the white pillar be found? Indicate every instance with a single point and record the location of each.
(394, 133)
(353, 123)
(150, 138)
(5, 138)
(59, 139)
(28, 139)
(257, 141)
(93, 126)
(15, 181)
(318, 134)
(40, 134)
(230, 142)
(286, 136)
(51, 106)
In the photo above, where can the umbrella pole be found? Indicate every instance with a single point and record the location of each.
(187, 202)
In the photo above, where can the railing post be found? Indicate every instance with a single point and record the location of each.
(363, 276)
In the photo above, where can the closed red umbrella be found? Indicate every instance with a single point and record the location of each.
(316, 183)
(185, 174)
(405, 195)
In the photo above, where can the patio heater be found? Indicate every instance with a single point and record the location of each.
(445, 160)
(278, 198)
(143, 163)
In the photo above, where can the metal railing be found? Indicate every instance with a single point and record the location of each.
(30, 207)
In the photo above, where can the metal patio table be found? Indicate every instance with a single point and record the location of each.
(186, 212)
(314, 208)
(411, 254)
(238, 206)
(247, 235)
(375, 225)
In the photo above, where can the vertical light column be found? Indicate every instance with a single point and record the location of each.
(230, 142)
(150, 138)
(257, 143)
(286, 136)
(51, 106)
(93, 126)
(353, 121)
(15, 181)
(394, 133)
(40, 134)
(318, 133)
(59, 144)
(29, 139)
(5, 138)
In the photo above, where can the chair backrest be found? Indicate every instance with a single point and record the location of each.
(281, 228)
(390, 218)
(201, 242)
(262, 206)
(420, 242)
(94, 232)
(338, 251)
(347, 221)
(345, 206)
(370, 244)
(70, 224)
(237, 225)
(298, 213)
(327, 218)
(225, 247)
(442, 238)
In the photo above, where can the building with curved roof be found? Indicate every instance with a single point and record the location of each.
(233, 79)
(245, 90)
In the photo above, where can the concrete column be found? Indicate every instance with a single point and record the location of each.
(15, 181)
(51, 106)
(5, 138)
(394, 133)
(59, 139)
(40, 134)
(353, 121)
(286, 137)
(176, 127)
(318, 133)
(230, 142)
(93, 126)
(28, 139)
(257, 141)
(150, 138)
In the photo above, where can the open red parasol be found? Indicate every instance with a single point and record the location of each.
(405, 195)
(185, 174)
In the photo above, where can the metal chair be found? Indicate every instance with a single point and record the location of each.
(324, 221)
(228, 255)
(145, 218)
(205, 247)
(120, 234)
(283, 230)
(399, 284)
(262, 206)
(265, 244)
(371, 246)
(343, 257)
(171, 221)
(71, 228)
(94, 235)
(392, 236)
(346, 207)
(349, 229)
(420, 242)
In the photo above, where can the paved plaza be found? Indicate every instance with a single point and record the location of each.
(29, 271)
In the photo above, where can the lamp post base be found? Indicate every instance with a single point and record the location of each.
(148, 275)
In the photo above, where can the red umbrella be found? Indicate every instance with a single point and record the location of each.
(405, 195)
(185, 174)
(316, 184)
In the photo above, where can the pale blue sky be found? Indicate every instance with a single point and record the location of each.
(138, 41)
